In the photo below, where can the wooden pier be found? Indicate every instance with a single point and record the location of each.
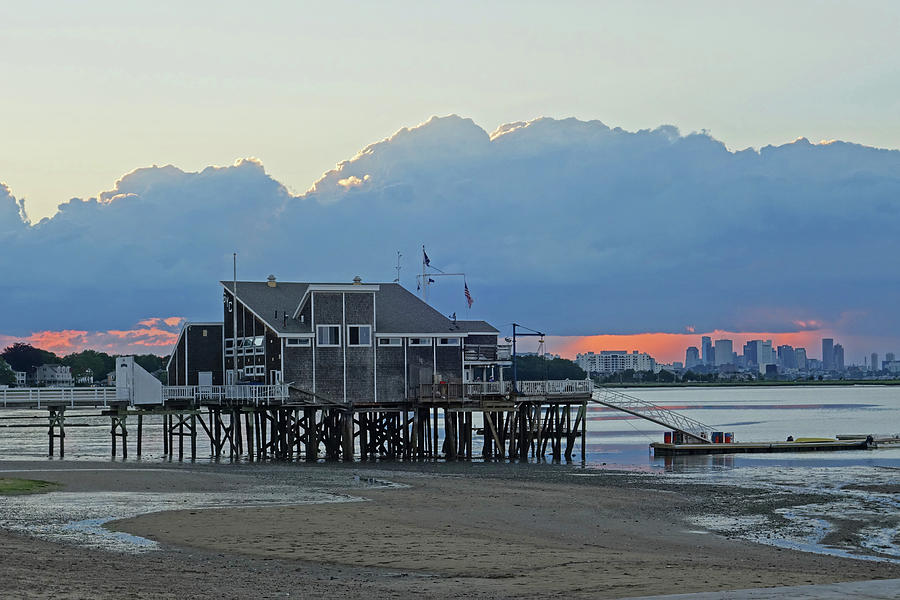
(534, 420)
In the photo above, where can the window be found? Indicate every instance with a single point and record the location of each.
(359, 335)
(229, 347)
(328, 335)
(204, 333)
(390, 341)
(448, 341)
(419, 341)
(297, 341)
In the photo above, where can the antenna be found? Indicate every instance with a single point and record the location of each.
(398, 267)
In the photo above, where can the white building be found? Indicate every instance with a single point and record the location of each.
(53, 375)
(21, 378)
(613, 361)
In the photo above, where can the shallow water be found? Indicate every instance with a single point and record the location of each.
(80, 517)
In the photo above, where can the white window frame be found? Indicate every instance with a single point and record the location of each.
(229, 346)
(319, 329)
(417, 341)
(448, 341)
(390, 341)
(301, 342)
(361, 326)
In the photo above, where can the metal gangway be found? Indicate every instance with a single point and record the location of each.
(651, 412)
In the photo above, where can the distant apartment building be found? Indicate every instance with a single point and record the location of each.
(691, 357)
(707, 348)
(53, 376)
(723, 352)
(614, 361)
(891, 366)
(888, 357)
(874, 366)
(828, 354)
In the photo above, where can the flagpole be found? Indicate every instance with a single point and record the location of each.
(424, 281)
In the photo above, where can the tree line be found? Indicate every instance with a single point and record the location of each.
(96, 365)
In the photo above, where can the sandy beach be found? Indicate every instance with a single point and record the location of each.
(449, 530)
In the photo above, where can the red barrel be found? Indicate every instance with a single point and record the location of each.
(667, 437)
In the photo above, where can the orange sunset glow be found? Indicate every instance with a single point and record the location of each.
(669, 347)
(149, 336)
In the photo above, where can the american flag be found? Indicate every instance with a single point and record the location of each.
(468, 295)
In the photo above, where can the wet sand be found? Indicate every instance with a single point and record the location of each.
(460, 530)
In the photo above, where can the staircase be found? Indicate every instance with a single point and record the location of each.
(651, 412)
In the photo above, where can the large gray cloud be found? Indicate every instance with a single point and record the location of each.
(567, 225)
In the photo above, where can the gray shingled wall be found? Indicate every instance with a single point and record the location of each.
(390, 374)
(329, 361)
(360, 359)
(298, 366)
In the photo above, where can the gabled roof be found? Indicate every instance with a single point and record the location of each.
(477, 327)
(397, 310)
(184, 327)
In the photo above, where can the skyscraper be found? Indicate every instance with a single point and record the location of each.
(828, 354)
(751, 354)
(706, 346)
(691, 357)
(787, 358)
(800, 355)
(723, 352)
(874, 366)
(838, 360)
(889, 356)
(765, 355)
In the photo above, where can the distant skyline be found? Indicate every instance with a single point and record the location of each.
(96, 89)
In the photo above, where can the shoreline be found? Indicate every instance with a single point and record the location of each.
(457, 530)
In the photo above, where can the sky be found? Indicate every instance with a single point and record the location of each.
(93, 90)
(640, 217)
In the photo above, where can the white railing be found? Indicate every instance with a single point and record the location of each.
(531, 388)
(256, 393)
(487, 388)
(50, 396)
(566, 387)
(243, 393)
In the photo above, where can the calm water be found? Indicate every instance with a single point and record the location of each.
(753, 414)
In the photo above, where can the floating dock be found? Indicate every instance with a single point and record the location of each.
(820, 445)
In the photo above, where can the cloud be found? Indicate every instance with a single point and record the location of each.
(570, 226)
(149, 336)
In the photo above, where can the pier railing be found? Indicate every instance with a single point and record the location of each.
(480, 389)
(53, 396)
(216, 393)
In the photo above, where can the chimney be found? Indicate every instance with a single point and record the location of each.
(271, 281)
(357, 280)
